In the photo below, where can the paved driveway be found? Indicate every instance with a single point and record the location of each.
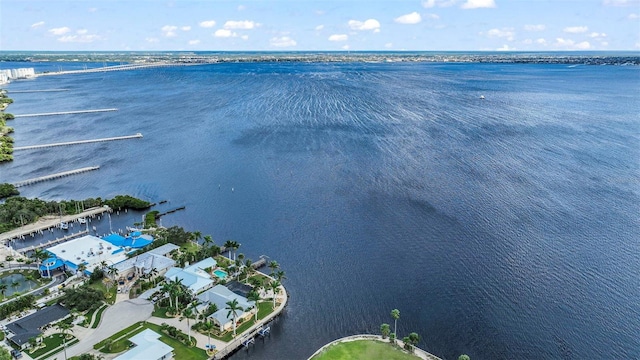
(117, 317)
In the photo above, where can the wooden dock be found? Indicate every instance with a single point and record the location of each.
(66, 112)
(49, 222)
(55, 176)
(52, 242)
(32, 147)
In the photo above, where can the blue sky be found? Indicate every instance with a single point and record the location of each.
(211, 25)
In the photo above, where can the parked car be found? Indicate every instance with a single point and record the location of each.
(17, 354)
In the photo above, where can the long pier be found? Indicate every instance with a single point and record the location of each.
(49, 222)
(31, 147)
(55, 176)
(66, 112)
(113, 68)
(52, 242)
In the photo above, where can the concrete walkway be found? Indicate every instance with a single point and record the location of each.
(202, 339)
(117, 317)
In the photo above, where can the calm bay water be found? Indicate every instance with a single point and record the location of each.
(501, 228)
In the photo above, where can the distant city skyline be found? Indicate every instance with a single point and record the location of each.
(226, 25)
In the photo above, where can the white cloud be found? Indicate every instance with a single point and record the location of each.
(501, 33)
(412, 18)
(79, 38)
(432, 16)
(185, 28)
(369, 24)
(59, 31)
(242, 24)
(37, 25)
(244, 37)
(242, 8)
(345, 47)
(169, 30)
(224, 33)
(604, 43)
(597, 35)
(477, 4)
(621, 2)
(82, 31)
(319, 27)
(194, 42)
(637, 45)
(632, 16)
(538, 27)
(338, 37)
(207, 23)
(151, 40)
(575, 29)
(439, 3)
(568, 44)
(541, 41)
(92, 10)
(388, 45)
(283, 41)
(505, 47)
(527, 41)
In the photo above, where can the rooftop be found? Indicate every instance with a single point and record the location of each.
(29, 326)
(164, 249)
(145, 262)
(148, 347)
(89, 250)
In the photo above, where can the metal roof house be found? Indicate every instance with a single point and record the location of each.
(194, 277)
(220, 295)
(148, 347)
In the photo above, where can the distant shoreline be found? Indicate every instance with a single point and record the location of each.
(181, 58)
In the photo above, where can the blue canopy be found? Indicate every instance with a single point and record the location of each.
(137, 241)
(51, 264)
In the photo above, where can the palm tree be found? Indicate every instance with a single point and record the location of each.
(208, 327)
(103, 264)
(177, 290)
(64, 329)
(228, 245)
(249, 270)
(30, 279)
(188, 313)
(3, 288)
(395, 314)
(208, 241)
(167, 288)
(275, 287)
(113, 272)
(196, 235)
(15, 285)
(255, 297)
(279, 275)
(385, 329)
(233, 307)
(273, 265)
(152, 273)
(414, 339)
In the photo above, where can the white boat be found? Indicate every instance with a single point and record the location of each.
(64, 225)
(82, 220)
(481, 97)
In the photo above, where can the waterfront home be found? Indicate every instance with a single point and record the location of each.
(147, 347)
(195, 277)
(220, 295)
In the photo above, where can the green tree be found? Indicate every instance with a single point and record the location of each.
(64, 328)
(233, 308)
(254, 297)
(188, 313)
(395, 314)
(208, 327)
(5, 354)
(275, 287)
(464, 357)
(195, 236)
(273, 265)
(7, 190)
(81, 269)
(3, 288)
(228, 245)
(385, 330)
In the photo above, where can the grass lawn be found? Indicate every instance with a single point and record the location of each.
(121, 342)
(110, 295)
(264, 309)
(96, 322)
(52, 342)
(161, 312)
(181, 351)
(363, 350)
(190, 247)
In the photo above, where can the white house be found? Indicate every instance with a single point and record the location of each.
(148, 347)
(220, 295)
(194, 277)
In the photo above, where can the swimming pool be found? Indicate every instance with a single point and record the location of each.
(221, 274)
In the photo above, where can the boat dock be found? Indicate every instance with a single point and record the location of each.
(66, 112)
(49, 222)
(55, 176)
(31, 147)
(52, 242)
(259, 329)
